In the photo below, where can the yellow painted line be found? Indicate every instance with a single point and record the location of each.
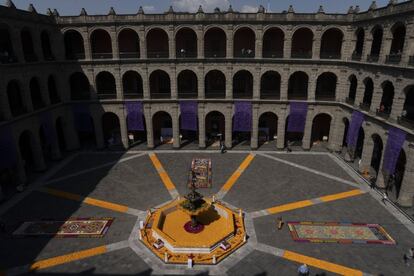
(233, 178)
(341, 195)
(87, 200)
(162, 173)
(328, 266)
(68, 258)
(306, 203)
(289, 206)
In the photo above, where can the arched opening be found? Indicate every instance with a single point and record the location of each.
(369, 90)
(46, 46)
(86, 131)
(128, 41)
(267, 129)
(14, 96)
(376, 153)
(105, 85)
(243, 85)
(298, 86)
(132, 83)
(360, 143)
(321, 126)
(215, 85)
(215, 43)
(399, 174)
(270, 85)
(387, 99)
(111, 130)
(101, 44)
(345, 121)
(292, 138)
(407, 115)
(244, 43)
(397, 44)
(160, 87)
(61, 134)
(240, 138)
(377, 34)
(326, 87)
(74, 45)
(331, 44)
(157, 44)
(45, 143)
(6, 47)
(186, 43)
(187, 84)
(273, 42)
(53, 92)
(215, 128)
(27, 46)
(36, 94)
(353, 85)
(79, 87)
(162, 127)
(136, 136)
(26, 145)
(359, 45)
(302, 43)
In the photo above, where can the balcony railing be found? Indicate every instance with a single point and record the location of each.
(129, 55)
(133, 96)
(245, 54)
(49, 57)
(356, 56)
(101, 55)
(301, 55)
(383, 113)
(273, 54)
(30, 57)
(215, 94)
(187, 94)
(330, 55)
(241, 94)
(372, 58)
(365, 106)
(393, 58)
(38, 105)
(350, 101)
(325, 98)
(405, 121)
(297, 96)
(269, 94)
(17, 111)
(160, 54)
(7, 59)
(215, 54)
(186, 54)
(75, 56)
(165, 95)
(106, 94)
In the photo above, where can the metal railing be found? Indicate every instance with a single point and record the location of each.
(297, 96)
(269, 94)
(129, 55)
(383, 113)
(165, 95)
(372, 58)
(215, 94)
(190, 54)
(356, 56)
(330, 55)
(75, 56)
(365, 106)
(241, 94)
(187, 95)
(301, 55)
(273, 54)
(393, 58)
(155, 54)
(101, 55)
(214, 54)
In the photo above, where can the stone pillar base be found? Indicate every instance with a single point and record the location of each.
(405, 201)
(380, 183)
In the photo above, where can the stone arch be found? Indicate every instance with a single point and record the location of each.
(270, 85)
(27, 145)
(15, 98)
(186, 43)
(111, 129)
(46, 45)
(377, 152)
(215, 84)
(387, 98)
(128, 43)
(377, 35)
(101, 44)
(408, 108)
(157, 43)
(298, 86)
(215, 42)
(36, 94)
(331, 43)
(105, 85)
(353, 85)
(160, 86)
(132, 84)
(74, 45)
(368, 93)
(61, 136)
(326, 87)
(321, 125)
(268, 122)
(302, 43)
(398, 31)
(187, 84)
(243, 85)
(29, 53)
(359, 45)
(215, 123)
(162, 127)
(244, 42)
(79, 87)
(7, 52)
(345, 122)
(53, 90)
(273, 42)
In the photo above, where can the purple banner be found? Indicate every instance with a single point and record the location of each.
(189, 110)
(395, 142)
(8, 155)
(82, 118)
(135, 116)
(353, 130)
(242, 116)
(297, 117)
(46, 122)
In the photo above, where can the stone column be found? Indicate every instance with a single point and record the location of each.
(259, 42)
(254, 143)
(69, 129)
(201, 83)
(57, 40)
(118, 83)
(342, 87)
(376, 96)
(96, 116)
(91, 78)
(25, 90)
(55, 149)
(124, 128)
(37, 45)
(348, 44)
(86, 43)
(200, 42)
(63, 87)
(17, 44)
(44, 90)
(148, 120)
(201, 126)
(385, 45)
(229, 126)
(407, 187)
(408, 44)
(281, 127)
(229, 83)
(335, 135)
(142, 43)
(399, 99)
(360, 92)
(316, 48)
(284, 84)
(312, 85)
(176, 127)
(229, 34)
(367, 151)
(146, 84)
(171, 42)
(287, 44)
(256, 83)
(173, 80)
(39, 160)
(366, 50)
(306, 141)
(114, 42)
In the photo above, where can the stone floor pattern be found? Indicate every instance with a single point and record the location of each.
(307, 186)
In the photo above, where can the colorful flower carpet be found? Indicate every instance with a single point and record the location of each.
(71, 228)
(202, 169)
(335, 232)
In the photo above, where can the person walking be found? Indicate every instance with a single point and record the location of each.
(406, 260)
(303, 270)
(410, 254)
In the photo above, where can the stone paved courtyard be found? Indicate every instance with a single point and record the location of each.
(124, 186)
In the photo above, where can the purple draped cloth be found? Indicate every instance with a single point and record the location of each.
(8, 157)
(189, 110)
(242, 116)
(395, 142)
(82, 118)
(135, 116)
(353, 130)
(297, 117)
(46, 121)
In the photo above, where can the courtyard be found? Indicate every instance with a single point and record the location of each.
(298, 186)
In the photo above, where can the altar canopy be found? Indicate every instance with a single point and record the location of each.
(189, 111)
(7, 148)
(242, 116)
(135, 116)
(82, 119)
(47, 123)
(353, 130)
(297, 117)
(395, 142)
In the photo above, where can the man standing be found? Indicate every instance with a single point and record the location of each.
(303, 270)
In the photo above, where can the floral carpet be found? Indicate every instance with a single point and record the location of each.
(202, 170)
(71, 228)
(326, 232)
